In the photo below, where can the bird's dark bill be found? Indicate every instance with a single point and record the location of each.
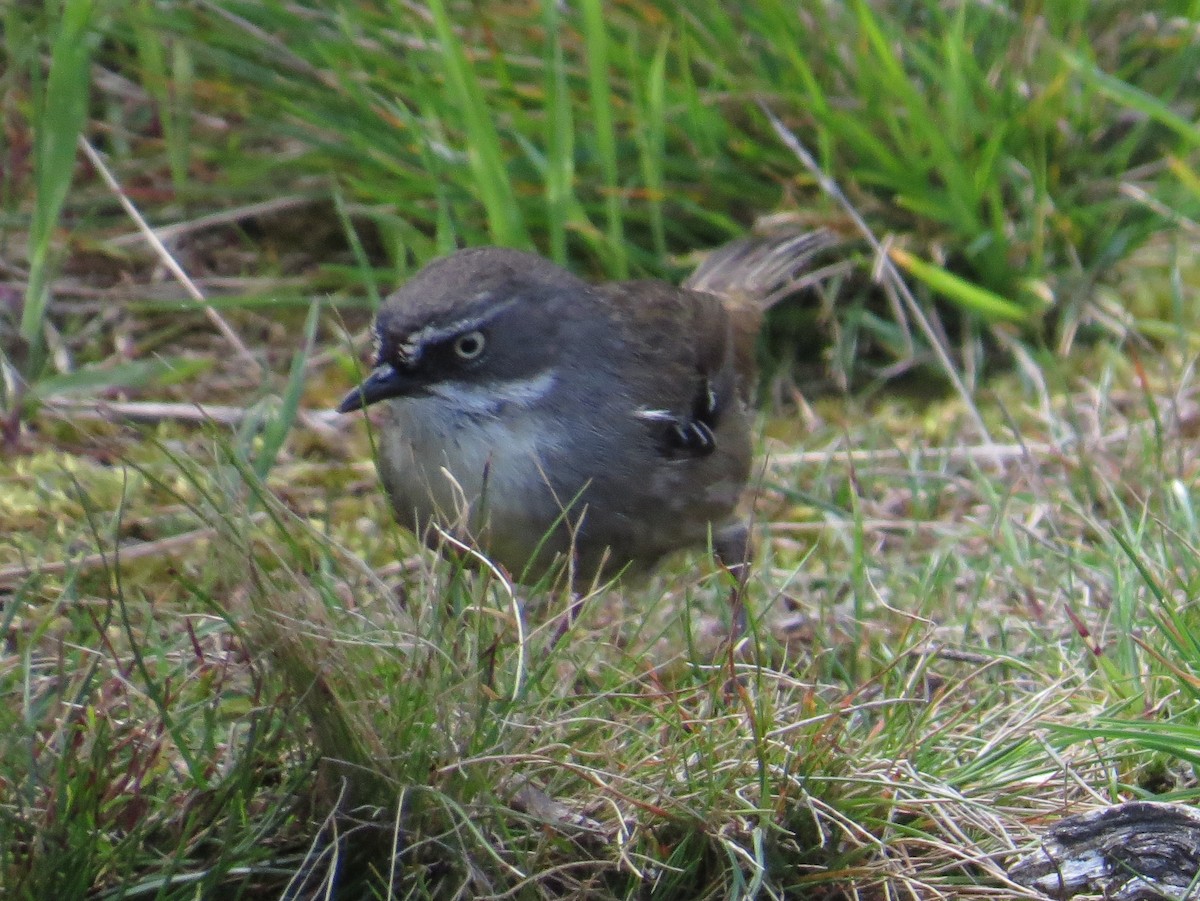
(381, 384)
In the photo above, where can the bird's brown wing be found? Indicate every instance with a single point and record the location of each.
(690, 358)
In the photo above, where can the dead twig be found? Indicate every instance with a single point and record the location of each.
(12, 576)
(319, 421)
(213, 316)
(887, 269)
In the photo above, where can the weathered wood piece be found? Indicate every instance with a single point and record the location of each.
(1137, 851)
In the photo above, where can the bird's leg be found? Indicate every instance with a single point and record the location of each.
(566, 620)
(734, 550)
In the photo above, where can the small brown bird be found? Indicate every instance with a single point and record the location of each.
(542, 418)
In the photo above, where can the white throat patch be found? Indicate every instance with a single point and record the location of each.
(489, 398)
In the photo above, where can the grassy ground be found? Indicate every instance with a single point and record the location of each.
(231, 676)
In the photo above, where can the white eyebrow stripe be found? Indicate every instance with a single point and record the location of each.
(434, 333)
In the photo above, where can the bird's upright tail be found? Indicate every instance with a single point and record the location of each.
(764, 268)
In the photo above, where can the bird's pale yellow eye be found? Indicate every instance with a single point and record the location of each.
(469, 346)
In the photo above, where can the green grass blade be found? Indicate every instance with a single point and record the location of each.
(131, 374)
(966, 294)
(604, 131)
(559, 137)
(170, 87)
(1124, 93)
(277, 430)
(486, 158)
(59, 123)
(651, 111)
